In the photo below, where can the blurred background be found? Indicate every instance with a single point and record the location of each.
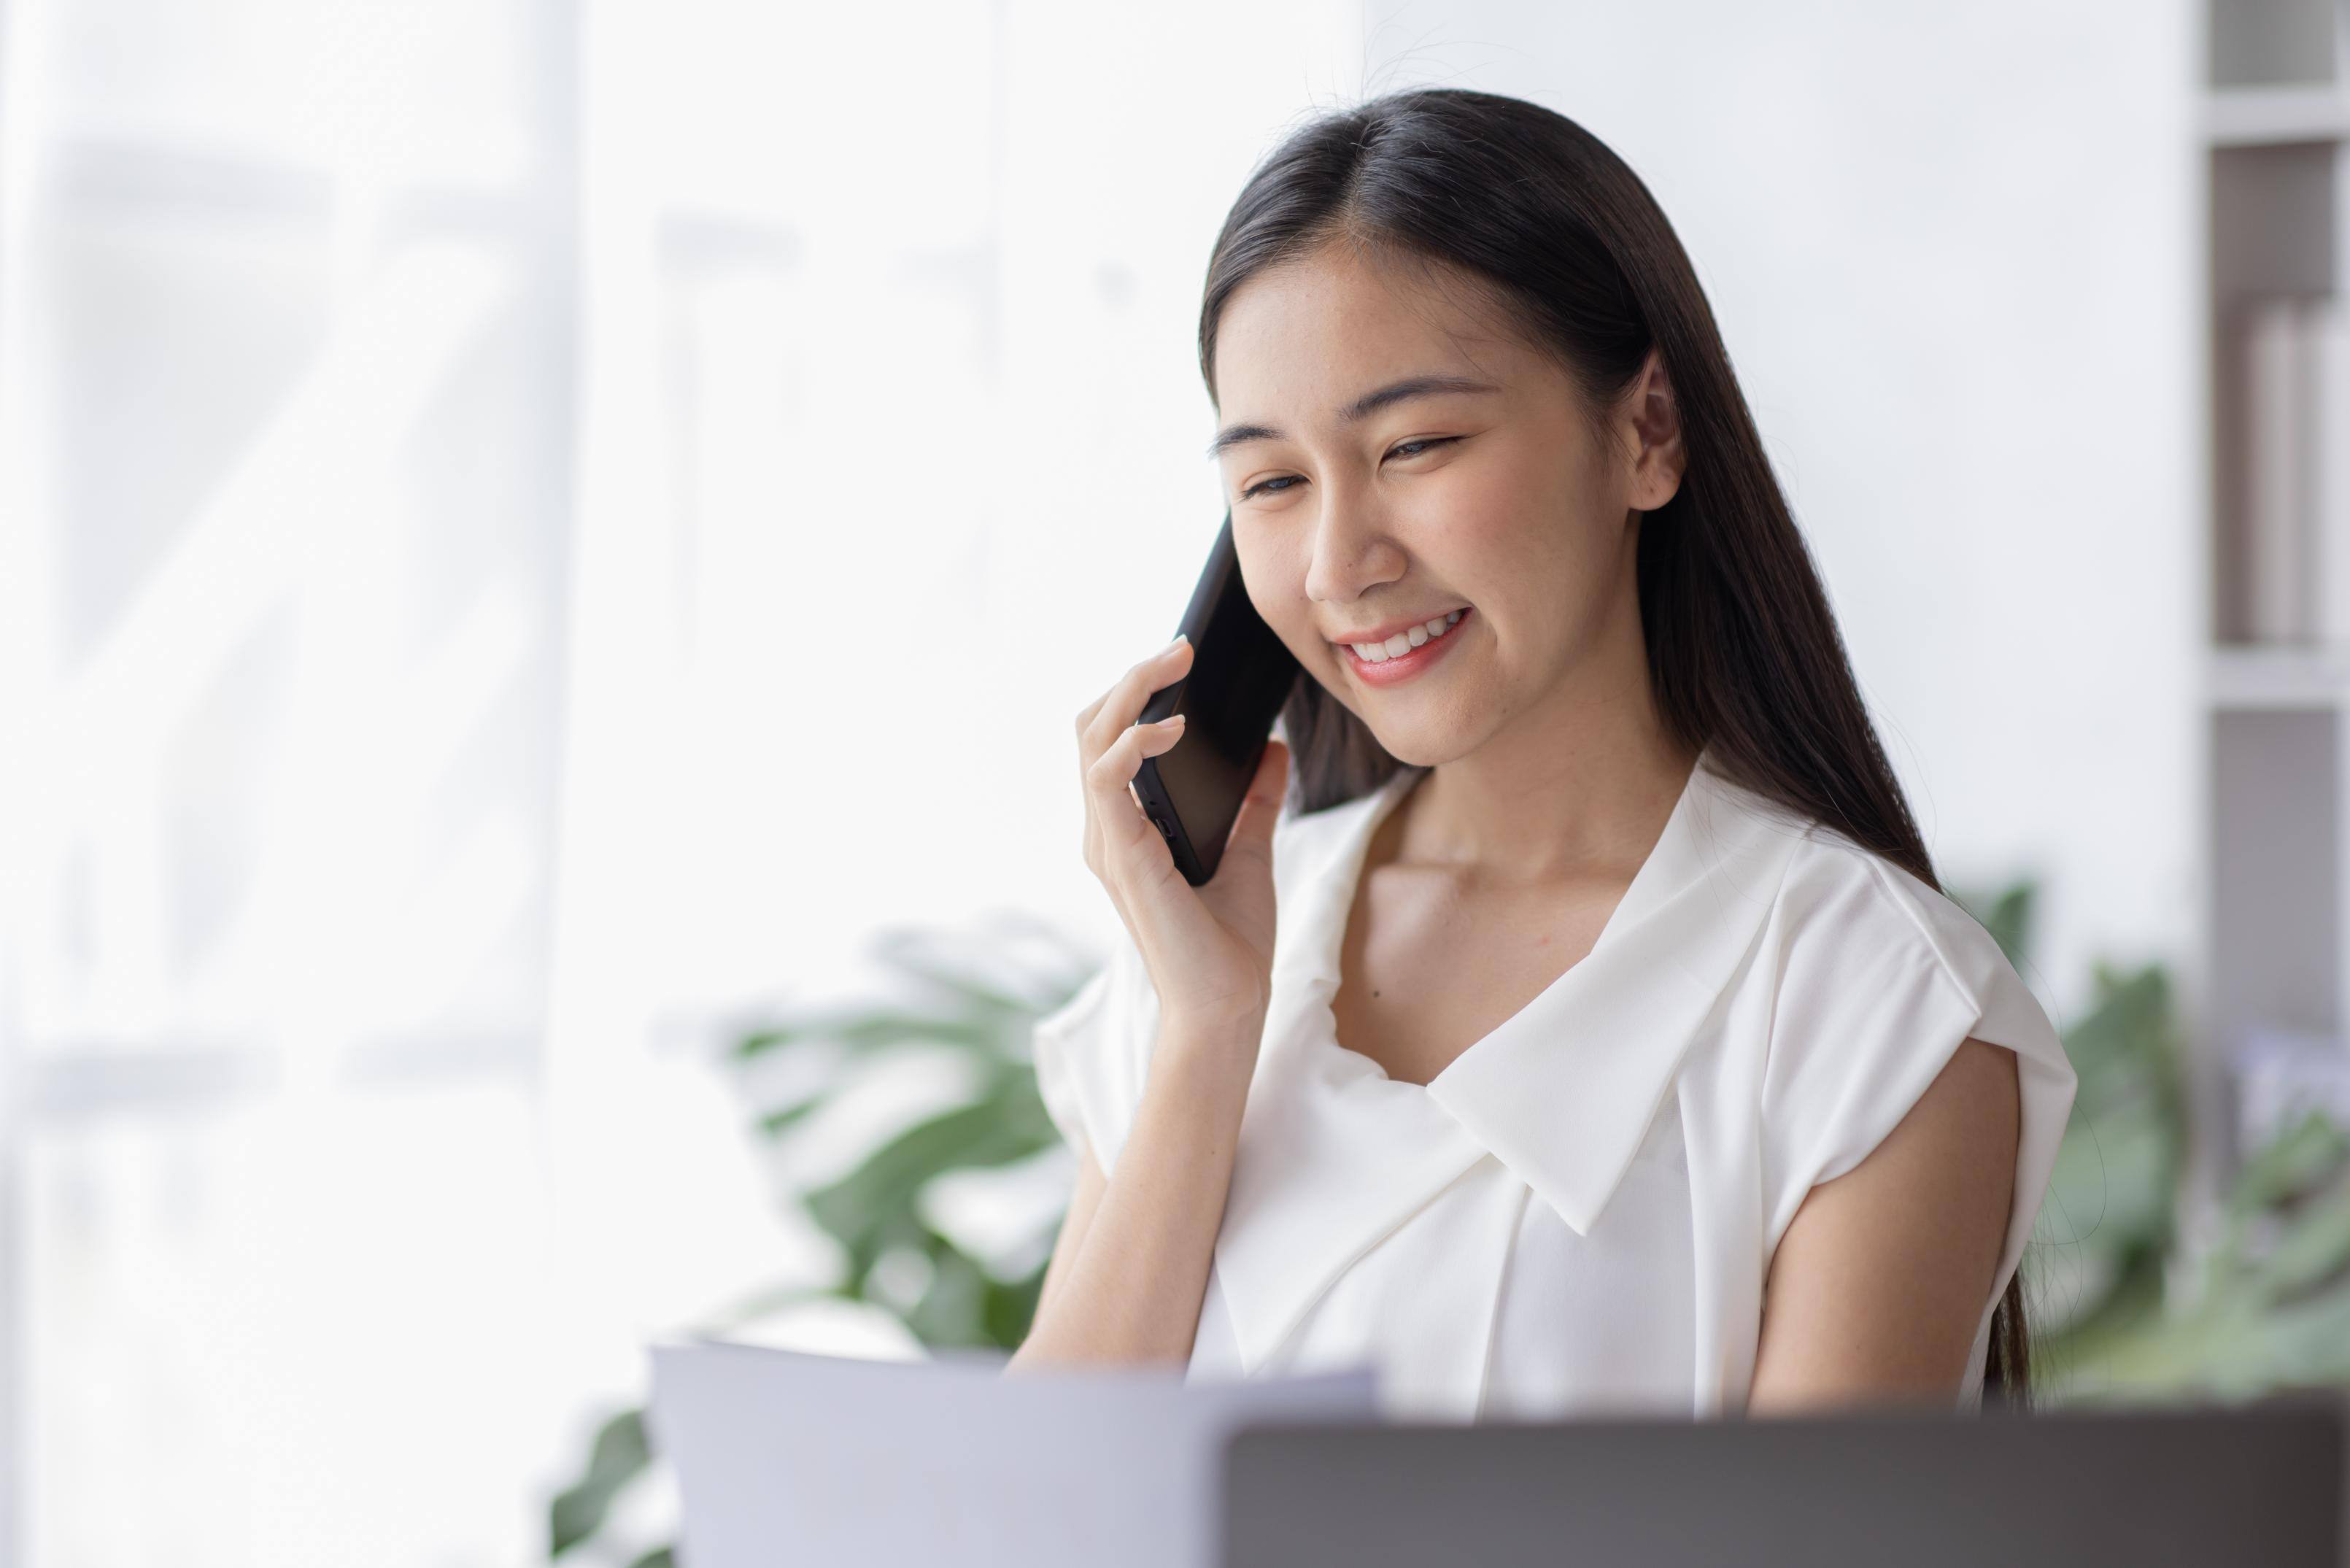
(512, 513)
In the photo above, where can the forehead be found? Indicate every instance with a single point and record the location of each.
(1305, 336)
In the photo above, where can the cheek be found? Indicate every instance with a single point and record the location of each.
(1276, 587)
(1540, 570)
(1504, 551)
(1528, 528)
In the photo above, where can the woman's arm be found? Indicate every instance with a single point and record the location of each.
(1131, 1268)
(1877, 1288)
(1074, 1226)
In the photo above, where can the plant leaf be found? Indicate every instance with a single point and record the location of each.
(620, 1453)
(774, 1124)
(873, 1206)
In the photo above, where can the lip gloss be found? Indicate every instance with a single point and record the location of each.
(1403, 667)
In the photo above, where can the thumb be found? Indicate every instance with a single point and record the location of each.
(1261, 807)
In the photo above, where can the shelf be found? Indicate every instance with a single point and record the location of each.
(2272, 107)
(2276, 115)
(2251, 678)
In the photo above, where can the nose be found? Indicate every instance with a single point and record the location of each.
(1353, 551)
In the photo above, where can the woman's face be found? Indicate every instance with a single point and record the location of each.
(1391, 456)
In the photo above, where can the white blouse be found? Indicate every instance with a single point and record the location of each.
(1577, 1215)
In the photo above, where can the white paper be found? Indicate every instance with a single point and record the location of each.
(783, 1457)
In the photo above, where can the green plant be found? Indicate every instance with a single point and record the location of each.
(2269, 1309)
(970, 1001)
(2272, 1311)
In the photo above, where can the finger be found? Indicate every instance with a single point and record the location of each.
(1123, 703)
(1117, 709)
(1096, 715)
(1251, 834)
(1120, 821)
(1101, 723)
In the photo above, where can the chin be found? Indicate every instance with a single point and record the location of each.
(1420, 740)
(1422, 746)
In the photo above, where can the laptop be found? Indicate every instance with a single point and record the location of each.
(2251, 1486)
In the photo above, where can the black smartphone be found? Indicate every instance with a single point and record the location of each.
(1241, 674)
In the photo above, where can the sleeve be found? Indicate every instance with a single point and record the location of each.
(1885, 980)
(1092, 1052)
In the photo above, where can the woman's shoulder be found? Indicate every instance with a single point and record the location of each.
(1876, 979)
(1841, 902)
(1822, 899)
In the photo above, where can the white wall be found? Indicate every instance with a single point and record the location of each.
(888, 426)
(1954, 255)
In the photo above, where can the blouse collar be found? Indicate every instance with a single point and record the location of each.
(1334, 1154)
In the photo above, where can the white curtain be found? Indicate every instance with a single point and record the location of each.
(525, 532)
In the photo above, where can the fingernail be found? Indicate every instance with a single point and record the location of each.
(1172, 721)
(1181, 640)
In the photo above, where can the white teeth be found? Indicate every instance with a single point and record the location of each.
(1405, 640)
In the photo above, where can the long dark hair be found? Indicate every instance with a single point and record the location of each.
(1744, 653)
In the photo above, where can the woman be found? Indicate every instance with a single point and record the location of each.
(1615, 1049)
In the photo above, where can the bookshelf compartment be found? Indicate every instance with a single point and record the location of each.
(2272, 220)
(2276, 917)
(2280, 367)
(2262, 42)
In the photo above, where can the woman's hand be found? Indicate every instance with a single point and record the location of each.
(1209, 950)
(1131, 1268)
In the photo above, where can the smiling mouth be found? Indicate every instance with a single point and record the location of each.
(1402, 643)
(1382, 669)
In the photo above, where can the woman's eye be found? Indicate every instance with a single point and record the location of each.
(1405, 449)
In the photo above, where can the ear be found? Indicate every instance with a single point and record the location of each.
(1651, 422)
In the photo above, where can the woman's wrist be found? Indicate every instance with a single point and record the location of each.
(1222, 1045)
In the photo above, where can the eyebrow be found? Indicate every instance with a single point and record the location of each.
(1362, 408)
